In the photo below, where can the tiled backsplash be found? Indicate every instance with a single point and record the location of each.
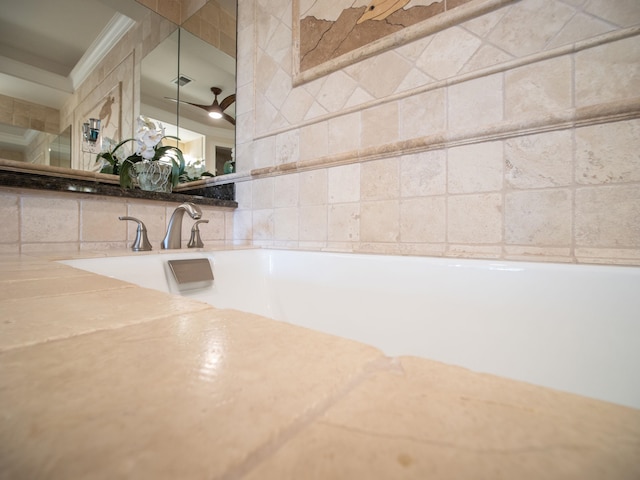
(36, 221)
(512, 135)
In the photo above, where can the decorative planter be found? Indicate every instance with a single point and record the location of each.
(153, 176)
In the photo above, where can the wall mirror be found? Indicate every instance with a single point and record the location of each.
(182, 98)
(178, 78)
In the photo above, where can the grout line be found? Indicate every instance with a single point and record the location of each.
(562, 120)
(62, 338)
(605, 38)
(308, 417)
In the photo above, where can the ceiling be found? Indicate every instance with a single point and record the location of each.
(48, 47)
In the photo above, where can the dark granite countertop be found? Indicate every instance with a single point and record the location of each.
(221, 195)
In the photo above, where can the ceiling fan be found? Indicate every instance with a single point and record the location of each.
(215, 110)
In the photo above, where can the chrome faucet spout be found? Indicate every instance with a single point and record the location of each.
(173, 238)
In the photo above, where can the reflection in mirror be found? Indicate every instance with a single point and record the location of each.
(204, 138)
(32, 146)
(60, 149)
(41, 65)
(189, 92)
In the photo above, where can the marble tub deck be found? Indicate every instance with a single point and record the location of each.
(103, 379)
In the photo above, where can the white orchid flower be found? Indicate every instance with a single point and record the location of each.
(148, 136)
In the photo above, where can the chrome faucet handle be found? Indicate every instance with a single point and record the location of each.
(195, 241)
(141, 243)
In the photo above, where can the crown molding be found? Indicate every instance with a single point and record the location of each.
(117, 27)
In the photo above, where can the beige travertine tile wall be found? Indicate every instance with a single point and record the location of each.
(206, 19)
(36, 221)
(512, 135)
(213, 24)
(175, 10)
(24, 114)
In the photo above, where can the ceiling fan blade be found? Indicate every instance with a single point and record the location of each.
(206, 107)
(220, 106)
(228, 101)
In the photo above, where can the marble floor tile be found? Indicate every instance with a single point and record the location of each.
(429, 420)
(196, 396)
(39, 319)
(45, 287)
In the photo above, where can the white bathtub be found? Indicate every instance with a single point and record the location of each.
(575, 328)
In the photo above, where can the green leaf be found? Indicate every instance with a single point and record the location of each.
(120, 144)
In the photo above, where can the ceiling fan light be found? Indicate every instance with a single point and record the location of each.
(215, 114)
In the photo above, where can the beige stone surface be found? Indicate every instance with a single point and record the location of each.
(539, 88)
(344, 223)
(314, 141)
(287, 187)
(344, 133)
(423, 174)
(608, 216)
(541, 217)
(186, 397)
(537, 21)
(52, 317)
(264, 153)
(213, 230)
(344, 184)
(607, 72)
(539, 161)
(608, 153)
(625, 13)
(379, 180)
(423, 219)
(581, 26)
(100, 220)
(287, 147)
(474, 218)
(297, 105)
(423, 114)
(243, 226)
(420, 419)
(244, 195)
(10, 218)
(379, 125)
(380, 221)
(262, 191)
(262, 224)
(439, 60)
(313, 223)
(21, 268)
(475, 168)
(50, 219)
(54, 282)
(285, 223)
(475, 104)
(486, 55)
(382, 76)
(335, 91)
(313, 188)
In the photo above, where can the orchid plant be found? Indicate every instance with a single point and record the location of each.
(149, 148)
